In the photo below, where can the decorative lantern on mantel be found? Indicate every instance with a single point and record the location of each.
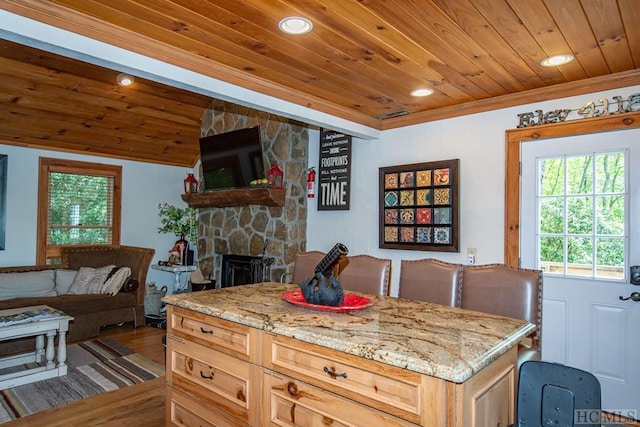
(275, 176)
(190, 184)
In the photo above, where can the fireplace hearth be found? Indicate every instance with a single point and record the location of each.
(244, 269)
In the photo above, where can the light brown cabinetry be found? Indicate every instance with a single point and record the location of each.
(221, 373)
(394, 390)
(291, 402)
(185, 410)
(213, 363)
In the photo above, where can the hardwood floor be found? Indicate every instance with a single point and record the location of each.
(141, 405)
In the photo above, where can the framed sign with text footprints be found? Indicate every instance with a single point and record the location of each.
(419, 206)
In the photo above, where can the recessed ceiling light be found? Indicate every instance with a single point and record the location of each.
(556, 60)
(124, 79)
(295, 25)
(422, 92)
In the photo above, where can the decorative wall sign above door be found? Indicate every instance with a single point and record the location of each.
(604, 107)
(419, 206)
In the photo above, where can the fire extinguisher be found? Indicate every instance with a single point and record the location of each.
(311, 182)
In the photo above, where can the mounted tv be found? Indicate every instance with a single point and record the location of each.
(231, 159)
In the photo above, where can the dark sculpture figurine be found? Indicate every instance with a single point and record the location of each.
(323, 288)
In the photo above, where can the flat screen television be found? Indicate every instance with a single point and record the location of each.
(231, 159)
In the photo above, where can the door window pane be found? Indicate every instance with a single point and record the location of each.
(552, 177)
(552, 254)
(610, 215)
(610, 173)
(581, 215)
(580, 175)
(552, 215)
(579, 256)
(609, 257)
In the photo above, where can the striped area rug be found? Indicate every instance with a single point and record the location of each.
(95, 367)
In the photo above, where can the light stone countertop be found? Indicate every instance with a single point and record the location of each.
(444, 342)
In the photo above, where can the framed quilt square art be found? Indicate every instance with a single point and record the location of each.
(419, 206)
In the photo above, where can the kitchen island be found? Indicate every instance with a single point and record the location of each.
(243, 356)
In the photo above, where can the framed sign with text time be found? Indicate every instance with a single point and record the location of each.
(334, 171)
(419, 206)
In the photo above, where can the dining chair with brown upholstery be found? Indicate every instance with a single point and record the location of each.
(304, 267)
(365, 274)
(506, 291)
(431, 280)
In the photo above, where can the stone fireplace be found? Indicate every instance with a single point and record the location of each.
(256, 230)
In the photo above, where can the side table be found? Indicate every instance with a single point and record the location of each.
(177, 270)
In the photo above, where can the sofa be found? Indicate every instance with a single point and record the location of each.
(58, 286)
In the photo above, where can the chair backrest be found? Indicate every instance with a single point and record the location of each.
(506, 291)
(305, 264)
(551, 394)
(364, 273)
(431, 280)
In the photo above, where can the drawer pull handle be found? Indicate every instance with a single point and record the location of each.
(204, 331)
(334, 373)
(207, 377)
(292, 389)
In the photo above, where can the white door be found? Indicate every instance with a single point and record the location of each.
(580, 224)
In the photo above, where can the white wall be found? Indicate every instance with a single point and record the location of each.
(144, 186)
(478, 140)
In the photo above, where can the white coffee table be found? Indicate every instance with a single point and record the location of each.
(48, 323)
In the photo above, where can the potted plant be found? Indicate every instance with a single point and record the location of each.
(180, 222)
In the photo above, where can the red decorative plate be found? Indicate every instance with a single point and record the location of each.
(351, 302)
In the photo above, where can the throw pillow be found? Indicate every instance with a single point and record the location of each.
(27, 284)
(114, 283)
(64, 279)
(89, 280)
(130, 286)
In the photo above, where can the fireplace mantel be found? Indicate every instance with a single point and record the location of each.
(233, 197)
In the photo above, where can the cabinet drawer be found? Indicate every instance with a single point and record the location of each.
(217, 378)
(388, 388)
(186, 411)
(219, 334)
(294, 403)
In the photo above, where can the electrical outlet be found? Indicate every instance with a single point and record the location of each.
(472, 253)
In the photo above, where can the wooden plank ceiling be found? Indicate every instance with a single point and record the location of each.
(360, 62)
(51, 102)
